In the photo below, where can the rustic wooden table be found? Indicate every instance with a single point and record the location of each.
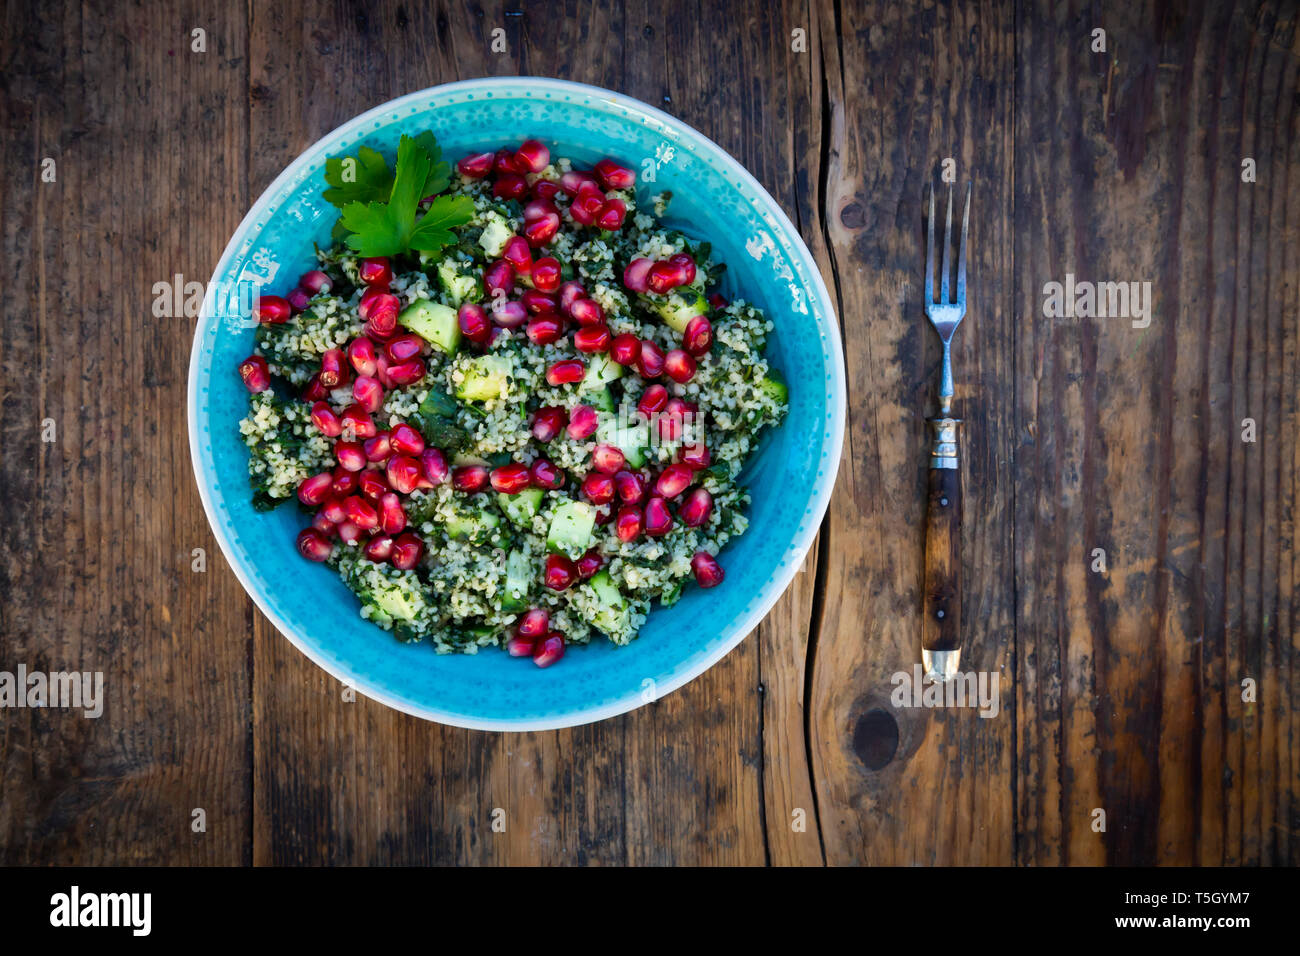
(1165, 158)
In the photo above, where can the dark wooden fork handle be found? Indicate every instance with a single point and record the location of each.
(941, 626)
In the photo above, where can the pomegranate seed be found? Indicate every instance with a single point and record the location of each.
(548, 421)
(669, 424)
(685, 266)
(695, 455)
(612, 214)
(368, 300)
(255, 373)
(315, 391)
(587, 312)
(324, 525)
(520, 646)
(545, 475)
(271, 310)
(315, 282)
(590, 563)
(518, 254)
(499, 278)
(351, 456)
(360, 513)
(674, 480)
(541, 231)
(511, 479)
(614, 176)
(313, 545)
(350, 532)
(708, 573)
(635, 276)
(544, 329)
(371, 484)
(469, 478)
(631, 486)
(407, 551)
(663, 277)
(476, 166)
(503, 161)
(539, 209)
(333, 371)
(650, 362)
(473, 322)
(559, 573)
(375, 272)
(314, 490)
(607, 459)
(532, 156)
(680, 366)
(378, 449)
(509, 315)
(361, 353)
(587, 206)
(332, 509)
(433, 466)
(381, 370)
(403, 347)
(510, 186)
(698, 337)
(546, 274)
(406, 440)
(570, 293)
(363, 426)
(533, 623)
(403, 473)
(382, 321)
(628, 523)
(658, 521)
(345, 482)
(696, 508)
(392, 518)
(653, 399)
(538, 302)
(549, 650)
(406, 373)
(299, 299)
(571, 182)
(546, 189)
(592, 338)
(625, 349)
(368, 393)
(582, 422)
(565, 372)
(378, 549)
(598, 488)
(718, 301)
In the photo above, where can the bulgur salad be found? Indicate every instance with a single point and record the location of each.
(510, 401)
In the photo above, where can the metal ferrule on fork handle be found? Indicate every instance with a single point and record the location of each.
(943, 442)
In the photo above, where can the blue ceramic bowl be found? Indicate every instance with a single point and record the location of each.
(791, 478)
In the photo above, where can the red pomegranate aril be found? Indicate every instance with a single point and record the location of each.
(382, 315)
(368, 300)
(313, 545)
(628, 524)
(255, 373)
(696, 508)
(403, 473)
(538, 302)
(511, 479)
(607, 459)
(499, 278)
(517, 252)
(407, 551)
(510, 186)
(299, 299)
(404, 347)
(587, 312)
(315, 391)
(520, 646)
(559, 572)
(612, 214)
(324, 525)
(695, 455)
(718, 301)
(433, 467)
(546, 189)
(570, 293)
(392, 517)
(350, 532)
(604, 514)
(549, 650)
(405, 440)
(630, 485)
(368, 393)
(598, 488)
(679, 366)
(476, 166)
(587, 206)
(548, 421)
(625, 349)
(543, 474)
(533, 623)
(406, 373)
(314, 490)
(653, 399)
(360, 513)
(539, 209)
(375, 272)
(363, 426)
(345, 482)
(509, 314)
(333, 371)
(361, 353)
(708, 573)
(378, 549)
(503, 161)
(614, 176)
(372, 485)
(544, 329)
(565, 372)
(669, 424)
(662, 277)
(582, 422)
(474, 322)
(532, 156)
(571, 182)
(271, 310)
(685, 264)
(698, 337)
(315, 282)
(378, 449)
(546, 274)
(674, 480)
(658, 522)
(541, 231)
(590, 563)
(469, 478)
(592, 339)
(351, 456)
(650, 363)
(332, 509)
(636, 275)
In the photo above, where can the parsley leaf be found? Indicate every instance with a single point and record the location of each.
(434, 231)
(361, 178)
(439, 170)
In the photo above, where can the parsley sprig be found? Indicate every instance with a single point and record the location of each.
(379, 207)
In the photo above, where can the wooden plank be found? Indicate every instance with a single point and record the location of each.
(149, 151)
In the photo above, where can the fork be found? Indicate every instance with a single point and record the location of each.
(941, 618)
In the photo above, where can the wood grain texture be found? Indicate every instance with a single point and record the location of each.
(1121, 689)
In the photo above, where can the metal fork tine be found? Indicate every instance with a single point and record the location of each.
(947, 251)
(929, 252)
(961, 250)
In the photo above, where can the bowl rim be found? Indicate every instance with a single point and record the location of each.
(742, 627)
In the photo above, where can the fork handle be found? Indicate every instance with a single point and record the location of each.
(941, 623)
